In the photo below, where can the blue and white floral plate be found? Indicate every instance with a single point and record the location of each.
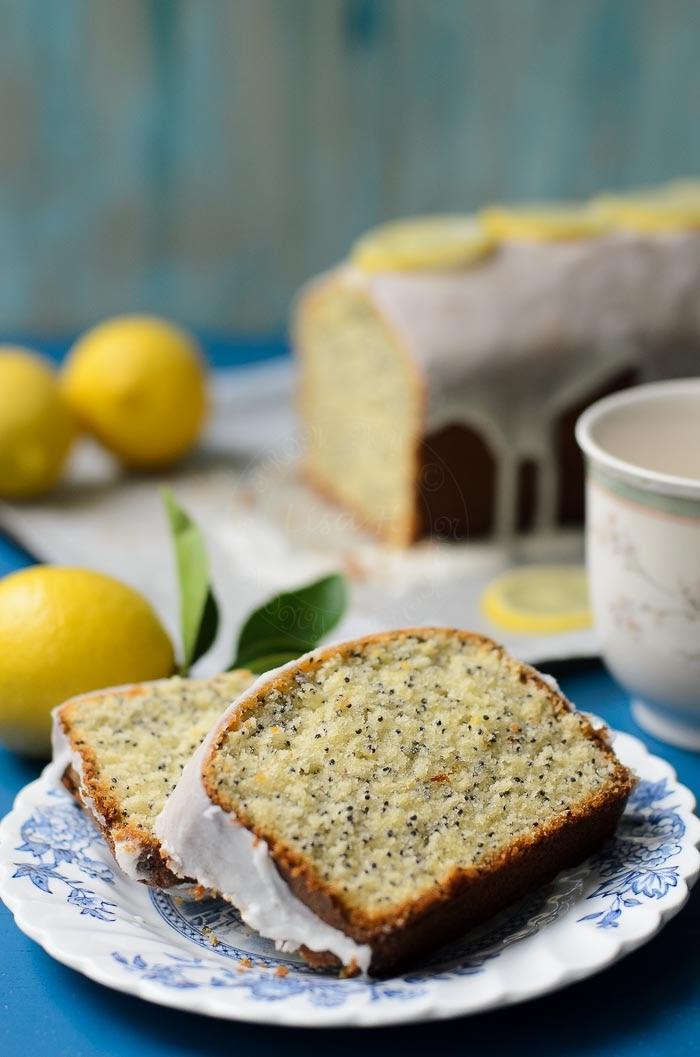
(65, 891)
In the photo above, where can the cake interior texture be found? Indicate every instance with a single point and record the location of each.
(361, 409)
(134, 742)
(389, 765)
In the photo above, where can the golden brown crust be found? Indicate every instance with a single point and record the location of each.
(98, 801)
(409, 530)
(467, 895)
(150, 865)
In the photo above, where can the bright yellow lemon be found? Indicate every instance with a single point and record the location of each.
(539, 599)
(36, 426)
(138, 383)
(64, 632)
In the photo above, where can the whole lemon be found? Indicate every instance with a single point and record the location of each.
(138, 384)
(37, 428)
(64, 632)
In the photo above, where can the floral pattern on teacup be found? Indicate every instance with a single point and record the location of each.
(660, 604)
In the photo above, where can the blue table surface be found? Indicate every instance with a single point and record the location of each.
(648, 1005)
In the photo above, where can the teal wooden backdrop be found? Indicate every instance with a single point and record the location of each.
(203, 157)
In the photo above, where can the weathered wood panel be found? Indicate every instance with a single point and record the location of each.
(202, 157)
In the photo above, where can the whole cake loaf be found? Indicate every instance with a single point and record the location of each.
(444, 364)
(374, 799)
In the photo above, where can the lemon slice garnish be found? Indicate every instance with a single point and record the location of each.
(675, 208)
(684, 190)
(541, 223)
(432, 242)
(539, 599)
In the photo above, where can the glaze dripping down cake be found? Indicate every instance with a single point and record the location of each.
(439, 392)
(121, 752)
(388, 793)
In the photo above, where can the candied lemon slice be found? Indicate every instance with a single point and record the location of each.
(542, 223)
(674, 208)
(432, 242)
(539, 599)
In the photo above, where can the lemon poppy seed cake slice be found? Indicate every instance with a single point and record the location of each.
(388, 793)
(121, 751)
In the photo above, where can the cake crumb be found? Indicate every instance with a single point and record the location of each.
(353, 567)
(211, 936)
(281, 970)
(443, 760)
(247, 498)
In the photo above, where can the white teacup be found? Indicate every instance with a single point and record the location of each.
(642, 449)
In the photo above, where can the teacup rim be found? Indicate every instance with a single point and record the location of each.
(649, 480)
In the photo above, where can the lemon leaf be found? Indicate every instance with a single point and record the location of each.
(290, 624)
(208, 627)
(272, 660)
(199, 613)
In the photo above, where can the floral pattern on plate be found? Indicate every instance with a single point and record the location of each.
(58, 878)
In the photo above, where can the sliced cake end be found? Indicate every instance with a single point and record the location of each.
(121, 751)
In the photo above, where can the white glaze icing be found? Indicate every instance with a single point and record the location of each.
(539, 305)
(64, 756)
(509, 343)
(126, 852)
(549, 680)
(205, 842)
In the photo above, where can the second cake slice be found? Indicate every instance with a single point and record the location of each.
(121, 751)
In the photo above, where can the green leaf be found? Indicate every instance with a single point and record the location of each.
(272, 660)
(199, 614)
(208, 627)
(291, 624)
